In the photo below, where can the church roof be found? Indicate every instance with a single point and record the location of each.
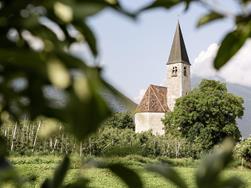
(178, 53)
(154, 100)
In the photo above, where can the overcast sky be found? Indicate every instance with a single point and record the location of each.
(134, 54)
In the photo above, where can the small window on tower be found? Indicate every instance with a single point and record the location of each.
(185, 71)
(174, 71)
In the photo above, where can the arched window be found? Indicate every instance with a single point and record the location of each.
(185, 71)
(174, 71)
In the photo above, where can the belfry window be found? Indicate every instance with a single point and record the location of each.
(185, 71)
(174, 71)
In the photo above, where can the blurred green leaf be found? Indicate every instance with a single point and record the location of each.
(83, 28)
(46, 184)
(232, 182)
(60, 173)
(210, 17)
(4, 164)
(168, 173)
(80, 183)
(58, 176)
(208, 173)
(161, 4)
(8, 173)
(88, 8)
(128, 103)
(230, 45)
(245, 1)
(3, 148)
(84, 107)
(129, 176)
(30, 60)
(187, 4)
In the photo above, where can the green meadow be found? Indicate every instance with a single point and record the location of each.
(35, 169)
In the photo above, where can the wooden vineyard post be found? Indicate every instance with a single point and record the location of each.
(80, 149)
(13, 137)
(56, 141)
(62, 142)
(35, 139)
(177, 150)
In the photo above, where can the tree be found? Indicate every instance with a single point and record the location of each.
(206, 115)
(120, 120)
(243, 150)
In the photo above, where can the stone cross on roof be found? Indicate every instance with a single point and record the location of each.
(178, 52)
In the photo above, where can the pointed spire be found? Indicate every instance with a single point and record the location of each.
(178, 52)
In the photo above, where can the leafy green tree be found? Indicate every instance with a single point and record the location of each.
(243, 150)
(120, 120)
(206, 115)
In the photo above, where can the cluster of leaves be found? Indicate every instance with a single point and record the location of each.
(120, 120)
(38, 74)
(40, 77)
(206, 115)
(243, 150)
(167, 146)
(232, 41)
(123, 142)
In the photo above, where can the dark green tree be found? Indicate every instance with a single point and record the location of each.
(206, 115)
(120, 120)
(243, 151)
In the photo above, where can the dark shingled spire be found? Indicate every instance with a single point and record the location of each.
(178, 52)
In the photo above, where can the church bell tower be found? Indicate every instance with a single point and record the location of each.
(178, 70)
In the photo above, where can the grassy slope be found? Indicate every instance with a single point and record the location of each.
(42, 167)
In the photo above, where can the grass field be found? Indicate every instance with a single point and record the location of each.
(42, 167)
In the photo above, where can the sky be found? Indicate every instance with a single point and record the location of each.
(134, 53)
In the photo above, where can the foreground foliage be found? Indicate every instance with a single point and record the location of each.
(243, 151)
(40, 76)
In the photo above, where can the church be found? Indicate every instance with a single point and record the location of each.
(159, 100)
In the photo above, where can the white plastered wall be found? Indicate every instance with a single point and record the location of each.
(178, 85)
(146, 121)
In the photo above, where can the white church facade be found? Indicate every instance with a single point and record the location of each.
(159, 100)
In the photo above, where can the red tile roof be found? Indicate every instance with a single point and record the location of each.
(154, 100)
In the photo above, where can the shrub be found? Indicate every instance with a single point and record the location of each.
(121, 120)
(243, 151)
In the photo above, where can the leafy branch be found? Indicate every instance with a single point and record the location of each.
(233, 41)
